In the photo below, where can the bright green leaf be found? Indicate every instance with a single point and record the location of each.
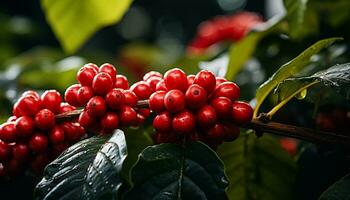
(73, 22)
(169, 171)
(89, 169)
(258, 168)
(290, 69)
(338, 191)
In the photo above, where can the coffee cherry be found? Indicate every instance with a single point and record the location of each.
(140, 119)
(161, 86)
(39, 162)
(51, 99)
(152, 74)
(65, 107)
(86, 75)
(206, 79)
(176, 79)
(184, 122)
(24, 126)
(222, 106)
(31, 93)
(109, 69)
(146, 112)
(190, 79)
(57, 149)
(5, 151)
(152, 82)
(121, 82)
(21, 152)
(115, 98)
(156, 101)
(227, 89)
(27, 106)
(110, 121)
(84, 94)
(92, 66)
(163, 122)
(102, 83)
(206, 116)
(96, 107)
(56, 135)
(141, 89)
(216, 132)
(85, 119)
(231, 132)
(220, 80)
(73, 131)
(242, 112)
(8, 132)
(44, 119)
(174, 101)
(195, 96)
(127, 116)
(38, 143)
(71, 95)
(130, 98)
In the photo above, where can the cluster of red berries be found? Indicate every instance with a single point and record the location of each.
(107, 100)
(197, 107)
(222, 28)
(32, 136)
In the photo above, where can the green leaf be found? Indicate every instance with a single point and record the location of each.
(89, 169)
(168, 171)
(338, 191)
(290, 69)
(296, 10)
(258, 168)
(73, 22)
(241, 51)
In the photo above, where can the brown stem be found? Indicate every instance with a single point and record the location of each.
(258, 125)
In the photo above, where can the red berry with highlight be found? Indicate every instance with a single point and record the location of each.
(130, 98)
(190, 79)
(92, 66)
(38, 143)
(56, 135)
(21, 152)
(196, 96)
(8, 132)
(24, 126)
(85, 119)
(31, 93)
(85, 93)
(51, 99)
(110, 121)
(242, 112)
(184, 122)
(222, 106)
(163, 122)
(127, 116)
(115, 98)
(96, 107)
(227, 89)
(152, 74)
(65, 107)
(153, 81)
(176, 79)
(44, 119)
(102, 83)
(27, 106)
(73, 131)
(5, 151)
(86, 75)
(141, 89)
(220, 80)
(121, 82)
(206, 79)
(156, 101)
(206, 116)
(109, 69)
(71, 95)
(174, 101)
(231, 132)
(161, 86)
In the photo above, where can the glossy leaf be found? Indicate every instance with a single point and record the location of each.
(89, 169)
(73, 22)
(338, 191)
(257, 168)
(290, 69)
(168, 171)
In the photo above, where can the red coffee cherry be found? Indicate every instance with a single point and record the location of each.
(190, 79)
(102, 83)
(206, 116)
(51, 99)
(21, 152)
(91, 66)
(115, 98)
(39, 162)
(156, 101)
(174, 101)
(5, 151)
(110, 121)
(146, 112)
(71, 95)
(176, 79)
(231, 132)
(109, 69)
(195, 96)
(65, 107)
(206, 79)
(152, 82)
(85, 119)
(163, 122)
(44, 119)
(130, 98)
(161, 86)
(73, 131)
(96, 107)
(220, 80)
(57, 149)
(141, 89)
(24, 126)
(216, 133)
(127, 116)
(121, 82)
(31, 93)
(56, 135)
(222, 106)
(184, 122)
(38, 143)
(242, 112)
(152, 74)
(227, 89)
(26, 106)
(140, 119)
(84, 94)
(8, 132)
(86, 75)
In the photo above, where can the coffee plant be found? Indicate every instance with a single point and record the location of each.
(253, 108)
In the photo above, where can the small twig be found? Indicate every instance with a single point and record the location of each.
(259, 125)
